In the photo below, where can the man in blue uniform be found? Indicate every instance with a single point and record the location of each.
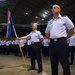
(72, 48)
(58, 29)
(0, 46)
(35, 36)
(16, 48)
(28, 47)
(3, 46)
(22, 44)
(45, 44)
(7, 44)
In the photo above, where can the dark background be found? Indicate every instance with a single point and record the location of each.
(26, 12)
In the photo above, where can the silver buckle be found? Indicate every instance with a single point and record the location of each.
(55, 39)
(32, 42)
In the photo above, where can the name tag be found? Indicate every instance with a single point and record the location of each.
(55, 39)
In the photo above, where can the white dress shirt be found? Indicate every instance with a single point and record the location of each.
(22, 43)
(59, 27)
(35, 36)
(8, 43)
(72, 40)
(46, 42)
(29, 42)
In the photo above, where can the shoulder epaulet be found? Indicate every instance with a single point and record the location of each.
(50, 19)
(64, 16)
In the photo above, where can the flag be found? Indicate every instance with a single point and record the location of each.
(10, 25)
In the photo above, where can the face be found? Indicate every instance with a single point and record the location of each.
(56, 9)
(34, 27)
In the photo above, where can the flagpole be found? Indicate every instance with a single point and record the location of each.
(20, 49)
(7, 31)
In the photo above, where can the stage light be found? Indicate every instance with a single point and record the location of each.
(46, 12)
(43, 19)
(26, 13)
(36, 17)
(44, 15)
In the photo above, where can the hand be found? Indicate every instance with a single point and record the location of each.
(17, 38)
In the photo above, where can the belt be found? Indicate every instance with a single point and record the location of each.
(57, 39)
(34, 42)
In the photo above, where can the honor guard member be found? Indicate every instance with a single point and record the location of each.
(16, 48)
(22, 44)
(58, 29)
(10, 50)
(28, 47)
(8, 46)
(35, 47)
(68, 45)
(72, 47)
(13, 45)
(3, 46)
(45, 43)
(0, 46)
